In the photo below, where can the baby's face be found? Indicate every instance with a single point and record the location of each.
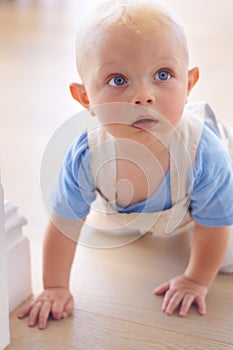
(148, 71)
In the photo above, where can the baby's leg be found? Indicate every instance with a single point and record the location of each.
(227, 264)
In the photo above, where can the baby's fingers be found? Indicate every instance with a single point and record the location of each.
(189, 299)
(44, 314)
(162, 288)
(201, 305)
(186, 304)
(62, 308)
(68, 309)
(34, 314)
(37, 311)
(173, 302)
(25, 310)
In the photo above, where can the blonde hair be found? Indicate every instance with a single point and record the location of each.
(141, 16)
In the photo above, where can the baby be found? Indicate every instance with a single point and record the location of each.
(132, 57)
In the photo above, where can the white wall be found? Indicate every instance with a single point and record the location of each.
(4, 308)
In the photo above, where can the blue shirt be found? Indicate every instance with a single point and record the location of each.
(210, 190)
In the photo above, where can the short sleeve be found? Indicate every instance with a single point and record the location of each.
(211, 188)
(75, 191)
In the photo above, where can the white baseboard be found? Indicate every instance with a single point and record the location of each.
(18, 257)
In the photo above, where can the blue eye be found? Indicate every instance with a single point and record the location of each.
(118, 80)
(163, 75)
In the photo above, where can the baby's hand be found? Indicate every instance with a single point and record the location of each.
(57, 301)
(182, 291)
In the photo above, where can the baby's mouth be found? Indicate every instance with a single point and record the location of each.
(145, 122)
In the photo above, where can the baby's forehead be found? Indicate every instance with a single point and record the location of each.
(141, 17)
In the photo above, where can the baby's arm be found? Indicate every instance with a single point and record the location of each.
(207, 252)
(58, 253)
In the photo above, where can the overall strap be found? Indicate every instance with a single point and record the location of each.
(183, 149)
(183, 152)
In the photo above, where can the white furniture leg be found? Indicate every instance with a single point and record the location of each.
(18, 257)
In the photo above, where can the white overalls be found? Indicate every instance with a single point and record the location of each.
(105, 227)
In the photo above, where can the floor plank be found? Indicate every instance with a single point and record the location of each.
(88, 331)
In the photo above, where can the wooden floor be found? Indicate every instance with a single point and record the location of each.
(115, 308)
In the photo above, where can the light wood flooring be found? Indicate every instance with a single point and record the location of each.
(115, 308)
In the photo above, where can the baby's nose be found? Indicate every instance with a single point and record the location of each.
(144, 97)
(142, 101)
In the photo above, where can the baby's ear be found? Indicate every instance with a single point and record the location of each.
(79, 93)
(193, 76)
